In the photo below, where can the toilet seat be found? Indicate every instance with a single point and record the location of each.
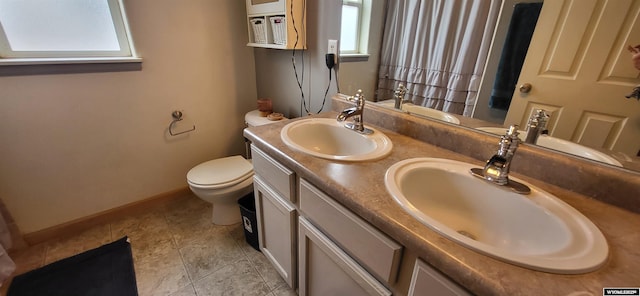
(220, 173)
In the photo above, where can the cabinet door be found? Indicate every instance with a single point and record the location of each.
(325, 269)
(427, 281)
(276, 230)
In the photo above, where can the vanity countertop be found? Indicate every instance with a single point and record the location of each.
(360, 187)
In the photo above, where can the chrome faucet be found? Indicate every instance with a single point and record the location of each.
(496, 170)
(398, 96)
(355, 112)
(536, 126)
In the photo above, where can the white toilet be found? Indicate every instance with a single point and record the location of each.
(223, 181)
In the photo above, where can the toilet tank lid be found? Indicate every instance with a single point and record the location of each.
(220, 171)
(253, 118)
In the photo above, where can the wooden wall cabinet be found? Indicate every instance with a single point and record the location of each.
(278, 24)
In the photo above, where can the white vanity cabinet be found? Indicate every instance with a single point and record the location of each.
(427, 281)
(322, 248)
(274, 188)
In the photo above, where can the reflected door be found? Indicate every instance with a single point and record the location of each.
(580, 72)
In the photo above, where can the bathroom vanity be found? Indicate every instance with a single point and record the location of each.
(331, 228)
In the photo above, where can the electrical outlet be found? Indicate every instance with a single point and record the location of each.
(333, 46)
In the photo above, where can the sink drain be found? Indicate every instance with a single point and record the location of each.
(467, 234)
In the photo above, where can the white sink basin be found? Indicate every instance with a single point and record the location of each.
(537, 231)
(560, 145)
(432, 113)
(423, 111)
(327, 138)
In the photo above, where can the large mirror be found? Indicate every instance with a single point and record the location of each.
(579, 73)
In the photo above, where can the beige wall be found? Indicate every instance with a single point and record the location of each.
(274, 70)
(77, 144)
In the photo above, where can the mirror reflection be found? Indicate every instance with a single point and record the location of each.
(489, 64)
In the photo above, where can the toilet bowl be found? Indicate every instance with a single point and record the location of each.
(223, 181)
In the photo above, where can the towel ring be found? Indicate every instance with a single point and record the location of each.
(177, 116)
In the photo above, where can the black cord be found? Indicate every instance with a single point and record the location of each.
(330, 60)
(304, 29)
(299, 80)
(325, 93)
(337, 80)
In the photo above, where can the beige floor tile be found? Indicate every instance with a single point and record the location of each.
(184, 207)
(185, 291)
(149, 234)
(269, 274)
(163, 274)
(239, 278)
(148, 248)
(177, 251)
(210, 252)
(236, 232)
(148, 224)
(284, 291)
(84, 241)
(189, 220)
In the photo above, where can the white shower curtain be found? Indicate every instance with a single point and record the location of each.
(438, 50)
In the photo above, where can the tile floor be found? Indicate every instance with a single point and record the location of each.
(176, 251)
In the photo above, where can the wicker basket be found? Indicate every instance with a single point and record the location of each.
(259, 30)
(279, 27)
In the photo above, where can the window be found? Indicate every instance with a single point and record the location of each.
(354, 34)
(63, 30)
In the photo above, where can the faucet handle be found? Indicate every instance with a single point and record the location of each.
(358, 99)
(510, 134)
(355, 98)
(509, 141)
(358, 96)
(538, 119)
(512, 131)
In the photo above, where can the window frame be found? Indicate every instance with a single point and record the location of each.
(127, 52)
(364, 23)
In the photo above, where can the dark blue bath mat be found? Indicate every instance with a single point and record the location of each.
(104, 271)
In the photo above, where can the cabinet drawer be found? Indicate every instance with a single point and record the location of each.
(372, 248)
(282, 179)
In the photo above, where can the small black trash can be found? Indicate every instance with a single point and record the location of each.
(249, 221)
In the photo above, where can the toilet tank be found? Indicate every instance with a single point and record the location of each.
(253, 118)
